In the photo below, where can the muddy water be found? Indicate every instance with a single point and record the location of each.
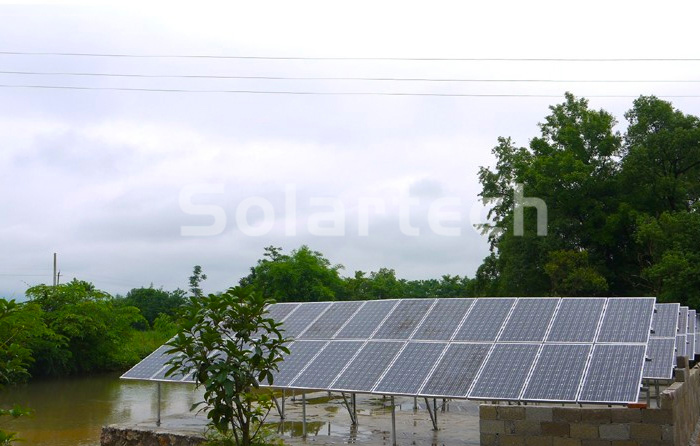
(71, 411)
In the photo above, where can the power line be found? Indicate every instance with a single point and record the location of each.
(319, 58)
(333, 78)
(327, 93)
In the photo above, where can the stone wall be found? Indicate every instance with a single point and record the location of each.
(672, 424)
(124, 436)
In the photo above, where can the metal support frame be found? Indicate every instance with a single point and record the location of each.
(393, 422)
(432, 411)
(158, 407)
(303, 415)
(351, 407)
(280, 407)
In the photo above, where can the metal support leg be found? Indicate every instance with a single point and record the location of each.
(353, 398)
(280, 407)
(415, 403)
(158, 409)
(658, 393)
(351, 409)
(432, 413)
(303, 415)
(393, 422)
(282, 415)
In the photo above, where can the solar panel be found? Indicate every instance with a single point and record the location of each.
(302, 317)
(661, 354)
(683, 320)
(443, 320)
(627, 320)
(558, 372)
(331, 321)
(321, 372)
(691, 334)
(485, 320)
(404, 319)
(367, 320)
(576, 320)
(409, 370)
(665, 321)
(150, 365)
(300, 354)
(697, 343)
(280, 311)
(529, 320)
(503, 375)
(680, 346)
(365, 370)
(614, 374)
(455, 372)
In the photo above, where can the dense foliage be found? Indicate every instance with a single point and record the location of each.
(622, 208)
(231, 345)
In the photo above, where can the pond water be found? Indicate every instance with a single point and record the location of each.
(72, 411)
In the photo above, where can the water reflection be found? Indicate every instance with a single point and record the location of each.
(72, 411)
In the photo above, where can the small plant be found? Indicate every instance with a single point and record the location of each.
(231, 346)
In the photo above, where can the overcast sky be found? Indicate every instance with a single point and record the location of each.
(100, 176)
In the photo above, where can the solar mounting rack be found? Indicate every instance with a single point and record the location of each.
(662, 349)
(577, 350)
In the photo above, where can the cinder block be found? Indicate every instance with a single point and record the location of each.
(641, 431)
(626, 415)
(489, 439)
(566, 414)
(596, 416)
(555, 429)
(538, 413)
(511, 440)
(587, 431)
(680, 375)
(492, 427)
(657, 416)
(488, 412)
(682, 362)
(526, 427)
(625, 443)
(561, 441)
(614, 431)
(511, 413)
(667, 432)
(538, 441)
(587, 442)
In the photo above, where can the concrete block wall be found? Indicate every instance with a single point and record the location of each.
(672, 424)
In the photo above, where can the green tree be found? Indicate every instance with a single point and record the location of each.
(196, 280)
(303, 275)
(152, 302)
(231, 346)
(88, 328)
(572, 275)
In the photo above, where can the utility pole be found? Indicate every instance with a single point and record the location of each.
(55, 264)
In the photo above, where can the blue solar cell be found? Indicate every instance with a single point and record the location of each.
(660, 352)
(614, 374)
(302, 317)
(576, 320)
(456, 370)
(558, 372)
(665, 321)
(323, 370)
(331, 321)
(367, 320)
(529, 320)
(300, 354)
(150, 365)
(683, 320)
(368, 366)
(504, 373)
(485, 319)
(409, 370)
(627, 320)
(443, 319)
(404, 319)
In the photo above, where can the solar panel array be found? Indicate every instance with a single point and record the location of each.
(529, 349)
(661, 349)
